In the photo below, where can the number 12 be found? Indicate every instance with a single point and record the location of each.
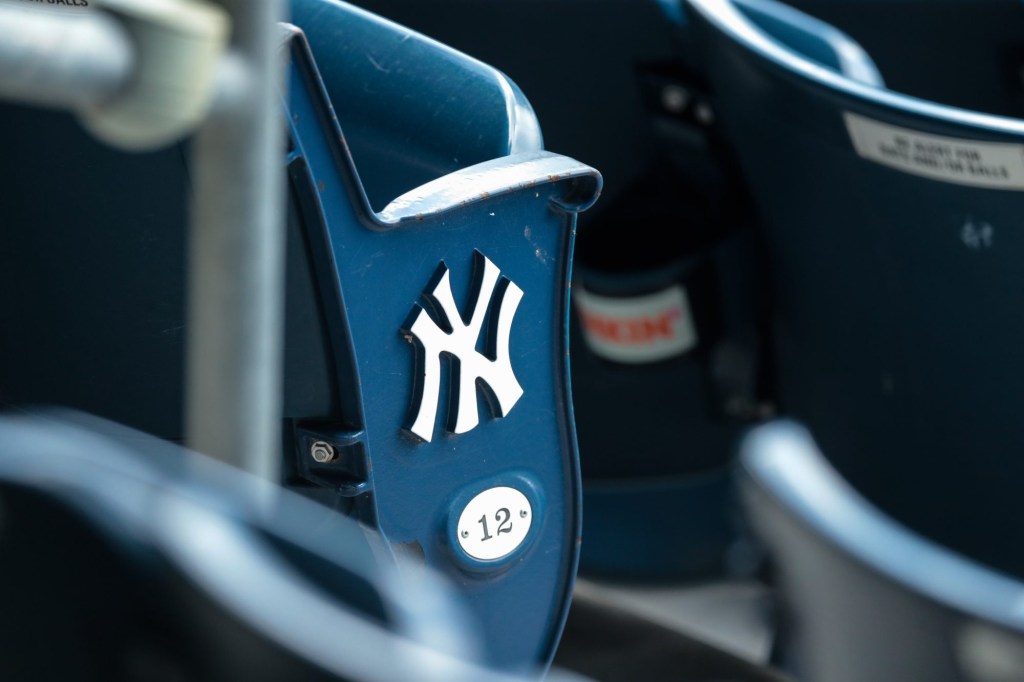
(502, 516)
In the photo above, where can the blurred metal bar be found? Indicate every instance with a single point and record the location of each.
(65, 59)
(236, 274)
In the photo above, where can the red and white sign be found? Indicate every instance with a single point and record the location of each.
(637, 329)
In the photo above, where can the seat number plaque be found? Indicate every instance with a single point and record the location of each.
(494, 523)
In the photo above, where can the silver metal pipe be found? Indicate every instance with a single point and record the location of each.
(62, 59)
(236, 279)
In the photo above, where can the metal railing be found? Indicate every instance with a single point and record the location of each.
(142, 74)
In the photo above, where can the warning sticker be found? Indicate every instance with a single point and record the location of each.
(993, 165)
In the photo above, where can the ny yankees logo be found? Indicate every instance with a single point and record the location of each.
(459, 339)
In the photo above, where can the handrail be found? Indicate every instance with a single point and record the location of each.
(236, 259)
(142, 74)
(62, 60)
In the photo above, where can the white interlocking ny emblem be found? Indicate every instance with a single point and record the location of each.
(459, 339)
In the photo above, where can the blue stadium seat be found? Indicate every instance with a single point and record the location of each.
(126, 557)
(426, 381)
(888, 227)
(862, 596)
(455, 440)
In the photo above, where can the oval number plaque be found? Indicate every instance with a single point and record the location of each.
(494, 523)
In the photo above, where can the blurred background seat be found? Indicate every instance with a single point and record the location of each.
(862, 596)
(125, 557)
(887, 224)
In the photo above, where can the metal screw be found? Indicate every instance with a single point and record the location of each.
(464, 533)
(674, 98)
(322, 452)
(523, 513)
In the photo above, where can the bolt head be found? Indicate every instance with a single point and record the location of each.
(322, 452)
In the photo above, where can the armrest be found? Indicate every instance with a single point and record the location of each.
(495, 178)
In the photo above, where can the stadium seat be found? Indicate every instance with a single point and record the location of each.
(888, 227)
(473, 468)
(426, 380)
(863, 597)
(124, 557)
(664, 376)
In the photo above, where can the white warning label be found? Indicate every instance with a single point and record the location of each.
(993, 165)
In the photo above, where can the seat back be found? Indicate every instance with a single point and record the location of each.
(887, 224)
(863, 597)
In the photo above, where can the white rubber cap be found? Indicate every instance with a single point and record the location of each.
(179, 44)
